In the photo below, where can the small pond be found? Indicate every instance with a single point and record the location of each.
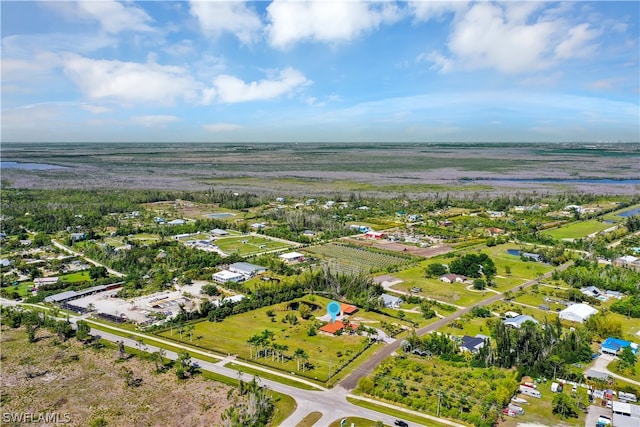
(515, 252)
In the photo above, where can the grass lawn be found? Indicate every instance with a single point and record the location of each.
(577, 230)
(23, 289)
(79, 276)
(310, 419)
(248, 245)
(539, 411)
(630, 326)
(471, 327)
(395, 413)
(326, 353)
(356, 421)
(632, 375)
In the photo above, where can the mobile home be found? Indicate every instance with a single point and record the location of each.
(530, 391)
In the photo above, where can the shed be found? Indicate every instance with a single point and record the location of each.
(516, 322)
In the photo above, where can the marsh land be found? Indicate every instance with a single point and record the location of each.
(316, 168)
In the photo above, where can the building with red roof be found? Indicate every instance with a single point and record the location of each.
(332, 328)
(347, 309)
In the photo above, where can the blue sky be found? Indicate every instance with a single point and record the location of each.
(335, 71)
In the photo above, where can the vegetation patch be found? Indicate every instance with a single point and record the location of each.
(352, 259)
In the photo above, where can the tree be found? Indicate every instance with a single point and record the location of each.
(96, 273)
(627, 359)
(436, 270)
(564, 406)
(83, 331)
(211, 290)
(158, 359)
(401, 315)
(479, 284)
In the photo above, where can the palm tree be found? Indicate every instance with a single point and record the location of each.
(189, 329)
(298, 354)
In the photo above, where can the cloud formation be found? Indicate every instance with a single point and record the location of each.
(231, 89)
(216, 17)
(323, 21)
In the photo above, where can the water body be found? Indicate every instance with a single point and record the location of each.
(29, 166)
(567, 181)
(630, 212)
(220, 215)
(515, 252)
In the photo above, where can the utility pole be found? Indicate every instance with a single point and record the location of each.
(439, 396)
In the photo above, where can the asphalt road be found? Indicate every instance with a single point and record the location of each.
(351, 381)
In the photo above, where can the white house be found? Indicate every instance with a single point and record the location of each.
(453, 278)
(516, 322)
(577, 312)
(292, 257)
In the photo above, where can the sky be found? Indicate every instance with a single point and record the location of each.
(320, 71)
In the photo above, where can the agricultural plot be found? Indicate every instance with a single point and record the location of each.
(348, 259)
(249, 245)
(578, 230)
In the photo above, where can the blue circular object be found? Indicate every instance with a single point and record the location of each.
(333, 308)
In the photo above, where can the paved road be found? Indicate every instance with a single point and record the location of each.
(601, 363)
(332, 403)
(351, 381)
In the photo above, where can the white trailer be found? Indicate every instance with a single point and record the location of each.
(530, 391)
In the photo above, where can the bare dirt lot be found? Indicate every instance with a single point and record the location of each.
(86, 385)
(400, 247)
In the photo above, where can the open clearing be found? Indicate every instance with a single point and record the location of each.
(355, 259)
(249, 245)
(577, 230)
(89, 384)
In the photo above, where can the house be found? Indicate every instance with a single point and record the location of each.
(415, 217)
(225, 276)
(309, 233)
(471, 344)
(390, 301)
(177, 222)
(78, 236)
(577, 313)
(531, 256)
(492, 231)
(613, 294)
(347, 309)
(332, 328)
(258, 225)
(232, 299)
(453, 278)
(309, 202)
(39, 281)
(511, 314)
(219, 232)
(591, 291)
(374, 234)
(246, 269)
(613, 346)
(516, 322)
(628, 261)
(5, 262)
(575, 208)
(280, 199)
(495, 214)
(625, 414)
(292, 257)
(158, 219)
(182, 236)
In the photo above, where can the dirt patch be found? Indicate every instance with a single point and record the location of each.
(66, 378)
(400, 247)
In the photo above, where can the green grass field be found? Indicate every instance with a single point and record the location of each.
(577, 230)
(249, 245)
(326, 353)
(23, 289)
(79, 276)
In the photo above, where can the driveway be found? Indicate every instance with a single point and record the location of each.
(593, 414)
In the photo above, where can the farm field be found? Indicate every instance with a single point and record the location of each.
(326, 353)
(249, 245)
(577, 230)
(355, 260)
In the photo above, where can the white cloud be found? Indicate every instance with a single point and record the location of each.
(577, 43)
(486, 38)
(512, 37)
(221, 127)
(154, 120)
(323, 21)
(231, 89)
(114, 17)
(427, 10)
(232, 16)
(131, 82)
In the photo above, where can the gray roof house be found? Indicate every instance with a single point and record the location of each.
(517, 321)
(471, 344)
(390, 301)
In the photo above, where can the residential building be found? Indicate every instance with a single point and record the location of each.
(471, 344)
(225, 276)
(292, 257)
(516, 322)
(390, 301)
(453, 278)
(332, 328)
(614, 345)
